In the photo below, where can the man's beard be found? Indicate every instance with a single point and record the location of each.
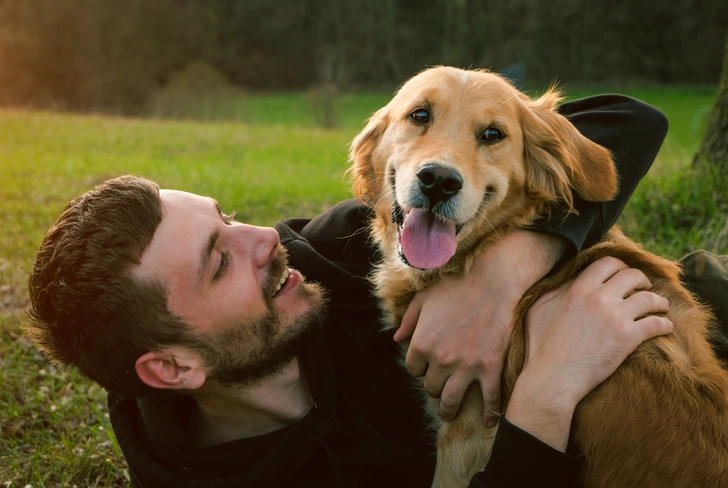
(245, 354)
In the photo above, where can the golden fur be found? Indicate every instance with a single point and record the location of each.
(661, 420)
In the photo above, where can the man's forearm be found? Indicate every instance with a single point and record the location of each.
(524, 257)
(533, 410)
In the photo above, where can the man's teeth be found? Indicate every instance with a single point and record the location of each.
(283, 279)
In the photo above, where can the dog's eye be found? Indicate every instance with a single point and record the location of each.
(491, 134)
(421, 116)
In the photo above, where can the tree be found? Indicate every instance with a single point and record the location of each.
(711, 160)
(713, 150)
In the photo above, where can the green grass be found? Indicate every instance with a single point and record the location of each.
(295, 109)
(54, 429)
(687, 109)
(676, 210)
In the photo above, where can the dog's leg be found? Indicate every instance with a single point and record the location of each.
(463, 445)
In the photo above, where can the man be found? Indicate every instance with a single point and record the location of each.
(154, 293)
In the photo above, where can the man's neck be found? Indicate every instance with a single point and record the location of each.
(225, 414)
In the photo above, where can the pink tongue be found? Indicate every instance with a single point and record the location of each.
(427, 242)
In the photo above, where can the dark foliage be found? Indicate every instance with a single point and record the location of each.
(110, 55)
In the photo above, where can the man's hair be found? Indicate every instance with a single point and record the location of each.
(87, 310)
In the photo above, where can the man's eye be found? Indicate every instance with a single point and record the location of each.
(224, 263)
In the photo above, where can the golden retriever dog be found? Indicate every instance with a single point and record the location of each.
(460, 157)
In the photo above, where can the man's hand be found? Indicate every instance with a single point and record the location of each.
(460, 328)
(576, 337)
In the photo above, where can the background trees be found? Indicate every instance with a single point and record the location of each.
(713, 151)
(110, 55)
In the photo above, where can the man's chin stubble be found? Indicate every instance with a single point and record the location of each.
(276, 349)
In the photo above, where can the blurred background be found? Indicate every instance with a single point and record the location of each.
(254, 102)
(130, 57)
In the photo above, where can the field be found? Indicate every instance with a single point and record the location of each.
(268, 163)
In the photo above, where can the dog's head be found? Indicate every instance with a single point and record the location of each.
(456, 154)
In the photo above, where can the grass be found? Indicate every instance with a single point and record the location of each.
(676, 210)
(54, 427)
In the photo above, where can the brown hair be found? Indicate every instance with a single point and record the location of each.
(87, 310)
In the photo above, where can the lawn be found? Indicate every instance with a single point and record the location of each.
(274, 164)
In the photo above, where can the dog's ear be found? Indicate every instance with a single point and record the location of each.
(366, 176)
(558, 157)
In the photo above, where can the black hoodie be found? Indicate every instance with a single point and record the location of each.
(367, 428)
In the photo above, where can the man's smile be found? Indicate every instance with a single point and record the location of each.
(282, 281)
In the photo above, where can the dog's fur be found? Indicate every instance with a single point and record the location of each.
(661, 420)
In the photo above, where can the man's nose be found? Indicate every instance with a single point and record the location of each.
(261, 243)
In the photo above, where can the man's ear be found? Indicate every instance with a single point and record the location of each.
(173, 368)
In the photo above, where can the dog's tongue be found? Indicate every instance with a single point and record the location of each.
(427, 242)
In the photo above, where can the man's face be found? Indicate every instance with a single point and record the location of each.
(222, 279)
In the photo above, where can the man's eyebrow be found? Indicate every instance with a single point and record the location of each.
(207, 250)
(217, 206)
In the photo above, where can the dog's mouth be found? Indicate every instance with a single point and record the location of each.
(425, 239)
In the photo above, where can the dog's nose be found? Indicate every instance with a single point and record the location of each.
(438, 183)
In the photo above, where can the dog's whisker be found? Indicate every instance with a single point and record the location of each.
(506, 100)
(388, 192)
(501, 97)
(495, 230)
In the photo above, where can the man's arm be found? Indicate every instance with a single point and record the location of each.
(633, 132)
(576, 337)
(473, 345)
(478, 310)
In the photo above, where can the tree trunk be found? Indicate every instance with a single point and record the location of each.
(713, 150)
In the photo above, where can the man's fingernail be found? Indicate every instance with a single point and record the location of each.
(490, 423)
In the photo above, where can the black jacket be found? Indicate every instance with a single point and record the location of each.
(366, 428)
